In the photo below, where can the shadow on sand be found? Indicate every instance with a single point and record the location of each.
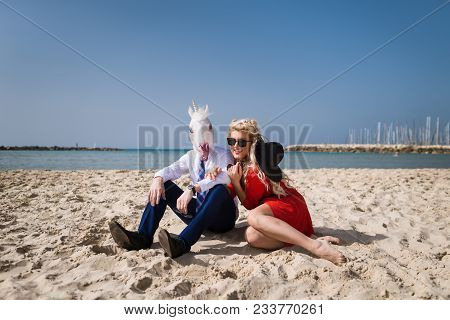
(348, 237)
(233, 243)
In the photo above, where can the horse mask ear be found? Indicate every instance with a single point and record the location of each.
(206, 109)
(190, 111)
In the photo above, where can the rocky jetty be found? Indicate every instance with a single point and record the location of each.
(377, 148)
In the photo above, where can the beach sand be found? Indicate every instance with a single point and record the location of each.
(55, 242)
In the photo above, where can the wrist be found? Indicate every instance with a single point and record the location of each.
(236, 184)
(191, 189)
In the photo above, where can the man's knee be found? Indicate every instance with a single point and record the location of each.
(169, 187)
(168, 184)
(220, 188)
(219, 192)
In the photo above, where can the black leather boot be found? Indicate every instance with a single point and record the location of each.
(172, 244)
(130, 240)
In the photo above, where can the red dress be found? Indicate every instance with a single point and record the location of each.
(291, 208)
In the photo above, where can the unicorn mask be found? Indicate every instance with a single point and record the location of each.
(200, 130)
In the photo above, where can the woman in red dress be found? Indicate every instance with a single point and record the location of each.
(278, 214)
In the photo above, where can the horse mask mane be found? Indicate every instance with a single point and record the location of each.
(200, 130)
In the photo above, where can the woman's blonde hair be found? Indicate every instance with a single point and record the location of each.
(251, 127)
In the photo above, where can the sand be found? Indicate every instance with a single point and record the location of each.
(55, 243)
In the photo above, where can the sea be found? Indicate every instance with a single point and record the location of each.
(139, 159)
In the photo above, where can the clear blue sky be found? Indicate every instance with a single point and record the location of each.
(243, 58)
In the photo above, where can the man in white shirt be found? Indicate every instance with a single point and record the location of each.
(213, 209)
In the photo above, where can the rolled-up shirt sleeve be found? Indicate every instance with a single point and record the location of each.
(175, 170)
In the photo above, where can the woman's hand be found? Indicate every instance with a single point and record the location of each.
(235, 173)
(183, 201)
(213, 173)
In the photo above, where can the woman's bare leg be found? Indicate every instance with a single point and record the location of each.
(262, 220)
(259, 240)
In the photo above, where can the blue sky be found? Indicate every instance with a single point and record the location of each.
(244, 58)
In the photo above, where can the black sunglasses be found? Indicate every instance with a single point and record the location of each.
(241, 142)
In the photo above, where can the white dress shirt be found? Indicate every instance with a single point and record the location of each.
(190, 163)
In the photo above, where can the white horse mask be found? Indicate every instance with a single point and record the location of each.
(200, 130)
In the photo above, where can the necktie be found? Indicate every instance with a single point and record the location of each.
(201, 176)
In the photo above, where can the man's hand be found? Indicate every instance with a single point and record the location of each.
(213, 173)
(235, 173)
(183, 201)
(156, 191)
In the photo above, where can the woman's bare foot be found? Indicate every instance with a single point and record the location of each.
(325, 251)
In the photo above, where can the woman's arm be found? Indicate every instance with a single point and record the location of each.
(235, 174)
(240, 192)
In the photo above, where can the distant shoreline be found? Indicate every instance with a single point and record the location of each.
(374, 148)
(56, 148)
(350, 148)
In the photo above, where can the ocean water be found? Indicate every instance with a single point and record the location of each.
(154, 159)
